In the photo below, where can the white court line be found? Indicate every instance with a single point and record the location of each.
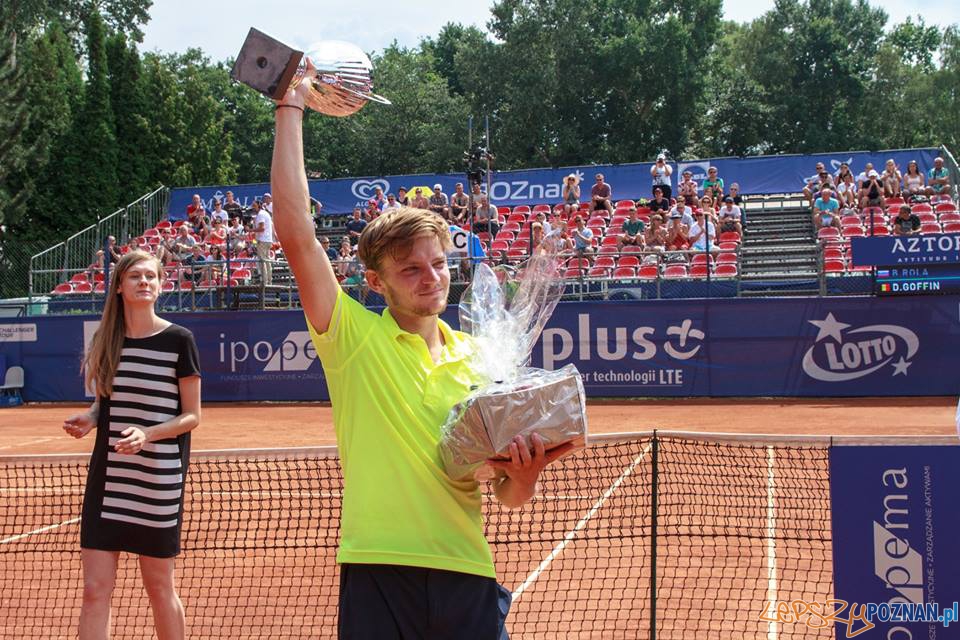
(580, 525)
(23, 444)
(772, 627)
(40, 530)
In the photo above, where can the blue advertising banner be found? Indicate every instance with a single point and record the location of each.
(720, 347)
(933, 248)
(755, 175)
(895, 532)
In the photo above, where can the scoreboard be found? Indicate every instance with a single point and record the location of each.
(931, 279)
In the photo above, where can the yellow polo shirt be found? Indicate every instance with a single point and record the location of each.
(389, 401)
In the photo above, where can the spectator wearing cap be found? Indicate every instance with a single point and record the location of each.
(601, 195)
(938, 179)
(268, 203)
(660, 173)
(571, 195)
(459, 204)
(391, 203)
(871, 192)
(355, 226)
(439, 203)
(729, 215)
(402, 197)
(373, 211)
(713, 185)
(231, 206)
(906, 223)
(688, 188)
(419, 200)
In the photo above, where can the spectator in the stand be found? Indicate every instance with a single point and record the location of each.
(914, 184)
(194, 260)
(825, 210)
(476, 190)
(231, 206)
(660, 202)
(633, 230)
(729, 215)
(355, 226)
(864, 175)
(678, 238)
(713, 185)
(906, 223)
(813, 184)
(378, 198)
(263, 233)
(565, 244)
(871, 192)
(373, 212)
(402, 197)
(683, 211)
(938, 179)
(167, 248)
(582, 238)
(536, 235)
(439, 203)
(195, 208)
(267, 202)
(707, 205)
(655, 236)
(113, 251)
(735, 194)
(97, 265)
(348, 265)
(847, 192)
(219, 213)
(891, 178)
(601, 195)
(132, 245)
(459, 204)
(703, 235)
(571, 195)
(843, 173)
(541, 217)
(236, 235)
(330, 251)
(185, 242)
(201, 226)
(687, 189)
(391, 203)
(485, 218)
(661, 172)
(218, 234)
(419, 200)
(217, 271)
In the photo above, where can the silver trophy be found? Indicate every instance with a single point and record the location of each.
(340, 84)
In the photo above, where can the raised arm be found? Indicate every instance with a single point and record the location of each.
(316, 281)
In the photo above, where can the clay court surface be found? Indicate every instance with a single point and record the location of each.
(37, 428)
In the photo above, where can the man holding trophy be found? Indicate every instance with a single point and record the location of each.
(414, 559)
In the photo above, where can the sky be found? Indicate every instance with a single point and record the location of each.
(218, 27)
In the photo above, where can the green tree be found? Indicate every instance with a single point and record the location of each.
(16, 151)
(130, 107)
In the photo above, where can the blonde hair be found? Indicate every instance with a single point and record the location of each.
(393, 234)
(101, 361)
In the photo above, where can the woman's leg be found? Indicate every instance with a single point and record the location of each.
(168, 618)
(99, 576)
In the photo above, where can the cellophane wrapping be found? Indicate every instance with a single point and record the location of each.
(505, 311)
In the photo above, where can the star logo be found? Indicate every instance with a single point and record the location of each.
(901, 366)
(829, 327)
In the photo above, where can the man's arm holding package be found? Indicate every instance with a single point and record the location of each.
(291, 206)
(523, 469)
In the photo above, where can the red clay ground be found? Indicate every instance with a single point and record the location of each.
(36, 428)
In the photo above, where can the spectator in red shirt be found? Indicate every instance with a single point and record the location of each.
(600, 195)
(195, 209)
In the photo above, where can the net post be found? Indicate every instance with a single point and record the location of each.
(655, 470)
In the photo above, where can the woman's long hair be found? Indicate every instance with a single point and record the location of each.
(100, 364)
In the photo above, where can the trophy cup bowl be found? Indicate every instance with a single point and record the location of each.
(340, 83)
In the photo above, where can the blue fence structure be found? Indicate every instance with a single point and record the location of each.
(866, 346)
(756, 175)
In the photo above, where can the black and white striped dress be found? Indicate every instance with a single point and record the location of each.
(134, 502)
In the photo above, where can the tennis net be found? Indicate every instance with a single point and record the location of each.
(672, 535)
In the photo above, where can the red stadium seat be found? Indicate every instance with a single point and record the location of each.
(833, 266)
(628, 261)
(923, 207)
(850, 220)
(729, 236)
(675, 271)
(951, 227)
(509, 236)
(519, 218)
(700, 258)
(99, 287)
(511, 226)
(615, 229)
(607, 262)
(544, 208)
(850, 232)
(726, 271)
(949, 216)
(598, 272)
(572, 274)
(583, 263)
(151, 232)
(618, 220)
(926, 216)
(699, 271)
(893, 201)
(610, 240)
(931, 227)
(516, 254)
(82, 287)
(164, 224)
(169, 285)
(728, 246)
(832, 253)
(524, 209)
(626, 204)
(649, 272)
(63, 288)
(632, 248)
(944, 207)
(727, 258)
(609, 248)
(499, 245)
(878, 230)
(828, 233)
(624, 273)
(79, 277)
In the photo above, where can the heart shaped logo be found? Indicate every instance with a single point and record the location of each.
(364, 189)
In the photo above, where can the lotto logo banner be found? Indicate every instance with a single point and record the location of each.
(896, 529)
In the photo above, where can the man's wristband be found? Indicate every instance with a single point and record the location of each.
(289, 106)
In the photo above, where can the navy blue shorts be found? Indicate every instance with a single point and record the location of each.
(389, 602)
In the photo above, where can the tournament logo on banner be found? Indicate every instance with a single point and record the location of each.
(931, 248)
(896, 528)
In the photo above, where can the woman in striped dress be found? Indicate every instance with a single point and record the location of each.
(147, 376)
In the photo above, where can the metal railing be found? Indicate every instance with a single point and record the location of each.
(54, 266)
